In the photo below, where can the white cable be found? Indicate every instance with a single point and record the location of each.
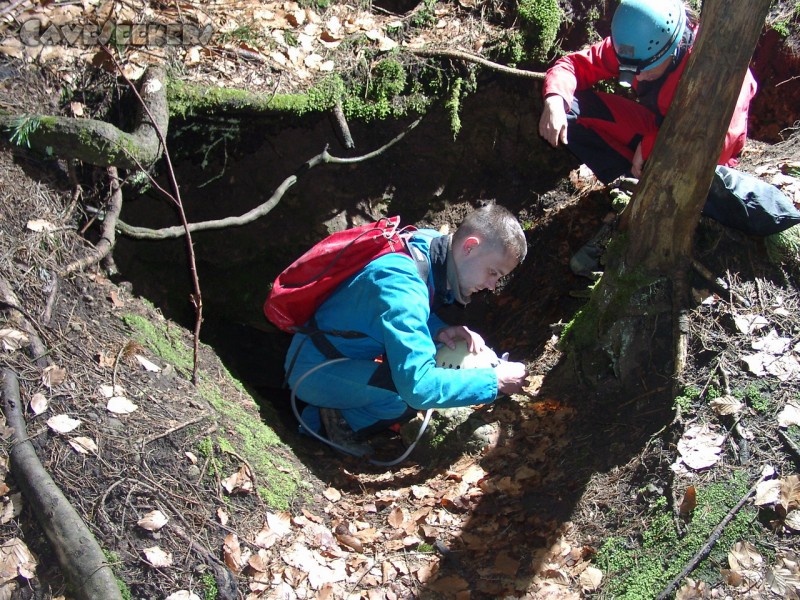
(338, 446)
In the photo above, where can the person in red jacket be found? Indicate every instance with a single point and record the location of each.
(648, 50)
(649, 47)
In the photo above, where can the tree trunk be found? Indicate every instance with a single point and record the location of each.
(671, 194)
(628, 328)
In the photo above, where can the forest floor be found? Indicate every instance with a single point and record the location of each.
(580, 493)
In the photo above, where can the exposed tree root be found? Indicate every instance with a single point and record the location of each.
(144, 233)
(107, 240)
(24, 321)
(474, 58)
(79, 555)
(97, 142)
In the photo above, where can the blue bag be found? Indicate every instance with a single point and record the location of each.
(745, 202)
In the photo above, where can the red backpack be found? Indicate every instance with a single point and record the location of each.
(305, 284)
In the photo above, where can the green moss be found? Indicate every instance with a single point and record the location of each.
(687, 398)
(453, 106)
(113, 559)
(254, 437)
(388, 80)
(539, 22)
(165, 341)
(611, 298)
(757, 396)
(637, 569)
(210, 590)
(186, 99)
(425, 17)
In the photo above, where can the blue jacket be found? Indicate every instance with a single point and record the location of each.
(390, 303)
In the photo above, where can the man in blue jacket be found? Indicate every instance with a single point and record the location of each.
(393, 306)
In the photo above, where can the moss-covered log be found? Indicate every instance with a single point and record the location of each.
(97, 142)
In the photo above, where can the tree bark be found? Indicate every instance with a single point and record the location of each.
(100, 143)
(666, 209)
(629, 326)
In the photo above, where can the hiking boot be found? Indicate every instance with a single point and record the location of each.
(341, 434)
(586, 262)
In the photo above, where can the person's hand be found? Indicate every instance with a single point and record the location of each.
(638, 162)
(511, 377)
(553, 123)
(450, 335)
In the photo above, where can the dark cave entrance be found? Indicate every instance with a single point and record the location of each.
(226, 165)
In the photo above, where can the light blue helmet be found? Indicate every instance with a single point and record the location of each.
(645, 34)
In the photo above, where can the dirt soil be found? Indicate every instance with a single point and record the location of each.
(568, 471)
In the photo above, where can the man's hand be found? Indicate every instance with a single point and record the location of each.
(553, 123)
(511, 377)
(450, 335)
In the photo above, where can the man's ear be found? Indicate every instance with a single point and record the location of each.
(470, 244)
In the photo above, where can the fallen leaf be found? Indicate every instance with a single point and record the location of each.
(183, 595)
(591, 578)
(332, 494)
(157, 557)
(62, 423)
(768, 493)
(790, 415)
(39, 403)
(750, 323)
(700, 447)
(119, 405)
(108, 391)
(13, 339)
(726, 405)
(83, 445)
(53, 376)
(280, 523)
(689, 502)
(40, 225)
(232, 553)
(153, 521)
(240, 482)
(16, 560)
(147, 364)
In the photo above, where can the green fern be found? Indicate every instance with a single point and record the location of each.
(23, 127)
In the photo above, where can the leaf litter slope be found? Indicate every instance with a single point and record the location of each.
(568, 470)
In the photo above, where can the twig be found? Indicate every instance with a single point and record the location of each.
(157, 436)
(39, 352)
(144, 233)
(197, 296)
(47, 315)
(461, 55)
(712, 539)
(226, 584)
(791, 443)
(79, 555)
(344, 128)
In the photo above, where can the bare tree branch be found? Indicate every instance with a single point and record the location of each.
(144, 233)
(474, 58)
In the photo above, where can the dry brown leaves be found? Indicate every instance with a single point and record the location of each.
(273, 46)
